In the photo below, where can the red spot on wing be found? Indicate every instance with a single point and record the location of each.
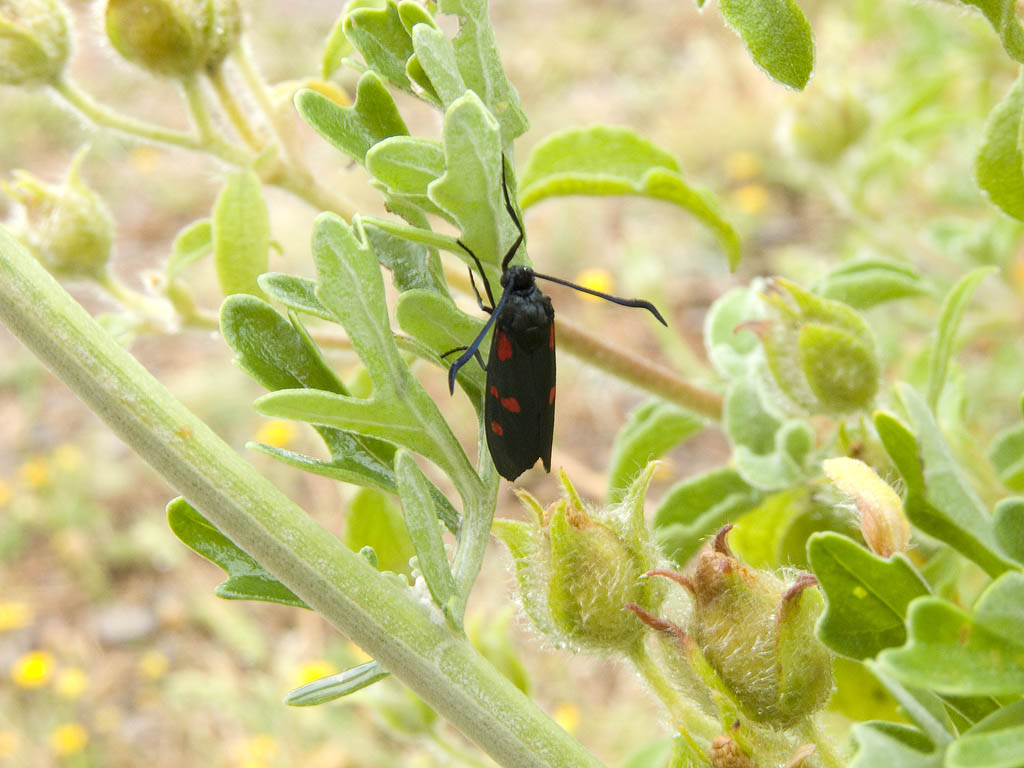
(494, 391)
(496, 429)
(504, 346)
(551, 339)
(510, 404)
(551, 396)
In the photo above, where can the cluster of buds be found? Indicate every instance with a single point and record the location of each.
(174, 38)
(34, 42)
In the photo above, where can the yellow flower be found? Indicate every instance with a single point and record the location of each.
(33, 669)
(6, 493)
(145, 159)
(278, 433)
(71, 682)
(751, 198)
(69, 739)
(360, 655)
(742, 165)
(34, 472)
(313, 670)
(67, 457)
(153, 665)
(567, 716)
(596, 279)
(260, 749)
(8, 744)
(15, 614)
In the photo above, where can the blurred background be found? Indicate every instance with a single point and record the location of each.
(114, 650)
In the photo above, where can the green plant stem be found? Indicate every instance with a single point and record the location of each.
(408, 638)
(133, 300)
(235, 113)
(475, 532)
(684, 714)
(637, 370)
(282, 129)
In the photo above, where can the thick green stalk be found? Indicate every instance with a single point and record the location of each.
(408, 638)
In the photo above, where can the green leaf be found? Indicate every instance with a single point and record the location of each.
(298, 293)
(374, 520)
(867, 595)
(1002, 15)
(732, 349)
(434, 320)
(335, 686)
(865, 283)
(193, 243)
(241, 234)
(939, 499)
(406, 166)
(777, 35)
(336, 48)
(410, 263)
(372, 118)
(999, 164)
(384, 42)
(606, 160)
(653, 429)
(436, 56)
(421, 522)
(479, 61)
(953, 652)
(412, 13)
(1009, 527)
(1007, 457)
(894, 746)
(924, 709)
(697, 507)
(247, 579)
(953, 307)
(995, 742)
(470, 190)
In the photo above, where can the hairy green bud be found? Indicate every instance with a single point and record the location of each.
(34, 41)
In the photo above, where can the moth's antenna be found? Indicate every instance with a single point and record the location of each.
(639, 303)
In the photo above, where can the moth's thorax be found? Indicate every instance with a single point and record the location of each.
(527, 314)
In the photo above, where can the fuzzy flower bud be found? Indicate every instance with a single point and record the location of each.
(579, 569)
(757, 633)
(882, 520)
(70, 228)
(174, 38)
(34, 41)
(820, 352)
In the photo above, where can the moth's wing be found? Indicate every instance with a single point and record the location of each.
(519, 409)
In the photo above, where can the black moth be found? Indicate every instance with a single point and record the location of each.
(519, 410)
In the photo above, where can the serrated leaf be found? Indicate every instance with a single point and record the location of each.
(374, 520)
(953, 307)
(777, 35)
(336, 48)
(1002, 15)
(652, 430)
(954, 652)
(697, 507)
(298, 293)
(479, 61)
(606, 160)
(240, 234)
(384, 42)
(436, 56)
(866, 283)
(999, 164)
(372, 118)
(939, 499)
(406, 166)
(335, 686)
(247, 579)
(867, 596)
(191, 244)
(421, 522)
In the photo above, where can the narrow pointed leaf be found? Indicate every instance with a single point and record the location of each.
(777, 35)
(247, 579)
(866, 283)
(867, 596)
(241, 234)
(193, 243)
(335, 686)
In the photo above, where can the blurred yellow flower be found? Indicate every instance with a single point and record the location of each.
(15, 614)
(68, 739)
(567, 716)
(67, 457)
(1016, 276)
(261, 748)
(34, 472)
(751, 198)
(153, 665)
(742, 165)
(145, 159)
(278, 433)
(33, 670)
(6, 493)
(360, 655)
(313, 670)
(8, 744)
(71, 682)
(596, 279)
